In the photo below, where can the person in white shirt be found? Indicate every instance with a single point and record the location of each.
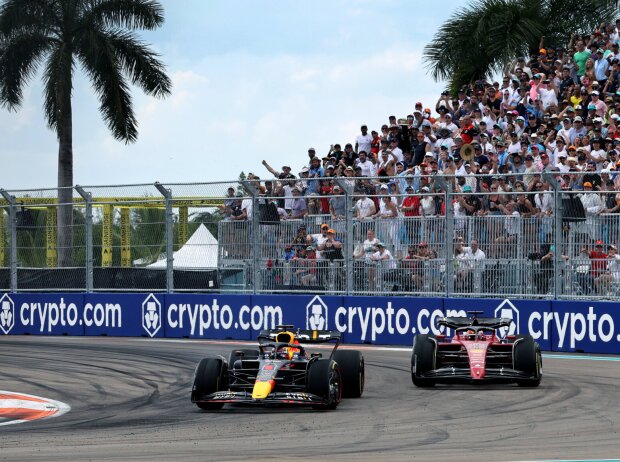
(396, 150)
(368, 168)
(369, 245)
(548, 94)
(364, 207)
(472, 262)
(451, 126)
(597, 154)
(512, 228)
(363, 141)
(474, 255)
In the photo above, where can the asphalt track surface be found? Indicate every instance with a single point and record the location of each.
(129, 400)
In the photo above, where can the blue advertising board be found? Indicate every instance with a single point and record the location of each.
(591, 327)
(556, 325)
(124, 315)
(210, 316)
(42, 314)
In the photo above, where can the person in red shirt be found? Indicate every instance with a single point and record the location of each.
(411, 210)
(468, 131)
(598, 264)
(598, 258)
(375, 144)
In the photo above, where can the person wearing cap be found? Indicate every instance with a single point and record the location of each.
(555, 145)
(299, 207)
(301, 239)
(600, 67)
(349, 156)
(577, 130)
(383, 257)
(592, 204)
(599, 105)
(319, 239)
(304, 267)
(337, 203)
(315, 172)
(596, 154)
(331, 248)
(285, 174)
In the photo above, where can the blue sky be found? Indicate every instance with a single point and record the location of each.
(253, 80)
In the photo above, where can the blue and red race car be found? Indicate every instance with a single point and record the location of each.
(475, 354)
(281, 371)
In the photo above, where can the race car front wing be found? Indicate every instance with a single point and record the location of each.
(244, 397)
(451, 373)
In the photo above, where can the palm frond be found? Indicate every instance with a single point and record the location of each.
(130, 14)
(19, 60)
(29, 16)
(140, 64)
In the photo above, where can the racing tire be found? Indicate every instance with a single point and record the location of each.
(324, 380)
(211, 376)
(527, 358)
(351, 364)
(239, 354)
(423, 359)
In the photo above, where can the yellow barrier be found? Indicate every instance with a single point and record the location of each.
(106, 236)
(51, 235)
(125, 238)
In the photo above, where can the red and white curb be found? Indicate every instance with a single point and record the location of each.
(18, 408)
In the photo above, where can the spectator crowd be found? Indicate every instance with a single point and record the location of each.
(501, 148)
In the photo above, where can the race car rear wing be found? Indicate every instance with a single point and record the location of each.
(303, 336)
(460, 322)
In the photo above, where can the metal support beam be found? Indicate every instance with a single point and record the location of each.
(167, 193)
(449, 239)
(88, 198)
(13, 225)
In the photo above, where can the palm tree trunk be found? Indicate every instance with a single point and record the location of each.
(65, 170)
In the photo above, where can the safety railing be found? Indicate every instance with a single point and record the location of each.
(249, 237)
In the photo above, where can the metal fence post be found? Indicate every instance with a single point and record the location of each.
(167, 193)
(557, 238)
(349, 244)
(449, 228)
(251, 189)
(88, 198)
(13, 251)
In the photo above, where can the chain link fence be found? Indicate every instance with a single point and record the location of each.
(364, 237)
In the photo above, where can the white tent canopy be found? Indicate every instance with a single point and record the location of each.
(199, 252)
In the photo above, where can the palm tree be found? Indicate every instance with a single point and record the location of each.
(97, 34)
(480, 39)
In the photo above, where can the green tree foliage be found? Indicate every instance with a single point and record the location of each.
(478, 40)
(99, 36)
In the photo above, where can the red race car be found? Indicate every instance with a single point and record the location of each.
(475, 354)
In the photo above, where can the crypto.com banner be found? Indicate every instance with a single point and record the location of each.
(557, 326)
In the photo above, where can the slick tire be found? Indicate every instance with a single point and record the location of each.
(423, 359)
(241, 354)
(211, 375)
(324, 380)
(527, 358)
(351, 363)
